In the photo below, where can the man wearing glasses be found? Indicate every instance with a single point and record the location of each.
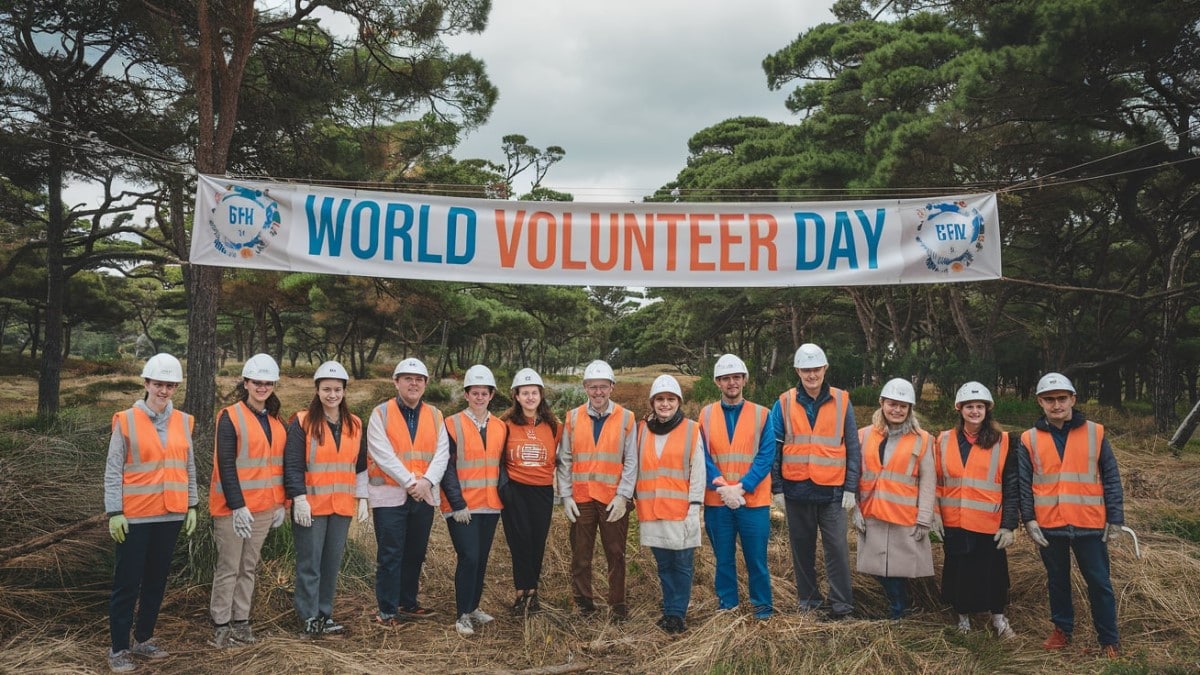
(597, 473)
(1071, 500)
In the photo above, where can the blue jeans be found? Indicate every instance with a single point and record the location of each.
(1091, 555)
(401, 538)
(724, 525)
(896, 590)
(804, 520)
(675, 574)
(319, 550)
(473, 543)
(140, 576)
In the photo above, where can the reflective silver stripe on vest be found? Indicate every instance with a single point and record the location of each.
(1084, 500)
(790, 438)
(330, 489)
(134, 453)
(973, 504)
(250, 484)
(150, 466)
(461, 451)
(894, 498)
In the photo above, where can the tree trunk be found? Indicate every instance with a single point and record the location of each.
(50, 373)
(1185, 430)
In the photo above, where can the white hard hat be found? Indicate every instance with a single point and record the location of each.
(331, 370)
(164, 368)
(599, 370)
(729, 365)
(899, 389)
(1054, 382)
(261, 367)
(411, 366)
(810, 356)
(479, 376)
(973, 391)
(526, 377)
(665, 384)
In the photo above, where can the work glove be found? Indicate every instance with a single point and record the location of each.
(860, 523)
(1035, 533)
(301, 511)
(938, 528)
(241, 522)
(462, 516)
(570, 508)
(731, 495)
(118, 527)
(848, 500)
(422, 490)
(278, 517)
(1004, 538)
(189, 521)
(920, 531)
(616, 509)
(364, 515)
(691, 523)
(778, 502)
(1111, 532)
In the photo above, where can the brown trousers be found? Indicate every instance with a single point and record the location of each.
(592, 516)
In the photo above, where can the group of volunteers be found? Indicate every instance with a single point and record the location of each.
(891, 480)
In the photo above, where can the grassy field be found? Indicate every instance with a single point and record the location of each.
(53, 601)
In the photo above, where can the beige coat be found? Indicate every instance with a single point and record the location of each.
(889, 550)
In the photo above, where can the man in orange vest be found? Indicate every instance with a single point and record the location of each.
(1071, 500)
(738, 501)
(817, 464)
(407, 449)
(597, 474)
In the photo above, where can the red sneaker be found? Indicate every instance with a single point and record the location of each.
(1057, 640)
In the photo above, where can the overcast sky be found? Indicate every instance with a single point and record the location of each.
(621, 85)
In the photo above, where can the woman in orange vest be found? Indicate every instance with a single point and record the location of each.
(527, 484)
(320, 465)
(245, 496)
(670, 490)
(896, 496)
(979, 506)
(472, 499)
(149, 494)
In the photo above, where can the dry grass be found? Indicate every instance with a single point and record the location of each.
(53, 604)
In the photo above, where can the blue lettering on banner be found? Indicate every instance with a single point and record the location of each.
(372, 226)
(457, 212)
(241, 215)
(324, 226)
(843, 244)
(402, 232)
(372, 223)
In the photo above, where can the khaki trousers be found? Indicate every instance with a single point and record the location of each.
(237, 567)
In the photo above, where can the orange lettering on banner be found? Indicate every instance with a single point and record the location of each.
(729, 240)
(671, 221)
(697, 240)
(765, 241)
(614, 246)
(567, 263)
(508, 244)
(642, 238)
(551, 240)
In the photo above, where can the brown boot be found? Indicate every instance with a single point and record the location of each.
(1057, 640)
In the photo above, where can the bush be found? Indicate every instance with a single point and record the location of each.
(436, 392)
(562, 400)
(867, 395)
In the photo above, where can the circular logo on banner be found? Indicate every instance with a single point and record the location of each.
(951, 234)
(243, 221)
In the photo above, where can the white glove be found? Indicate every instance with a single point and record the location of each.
(278, 517)
(848, 500)
(1004, 538)
(860, 523)
(616, 509)
(1111, 532)
(938, 527)
(241, 522)
(1035, 533)
(920, 532)
(731, 495)
(422, 490)
(570, 508)
(462, 516)
(364, 515)
(777, 502)
(301, 511)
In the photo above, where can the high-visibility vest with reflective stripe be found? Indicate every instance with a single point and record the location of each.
(155, 479)
(664, 482)
(329, 469)
(415, 453)
(529, 453)
(478, 465)
(596, 466)
(814, 452)
(971, 496)
(889, 493)
(259, 464)
(1067, 491)
(734, 457)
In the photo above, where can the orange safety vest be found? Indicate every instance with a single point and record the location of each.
(155, 480)
(415, 453)
(970, 496)
(734, 457)
(1067, 491)
(259, 465)
(814, 452)
(529, 453)
(889, 493)
(478, 465)
(596, 466)
(664, 482)
(329, 469)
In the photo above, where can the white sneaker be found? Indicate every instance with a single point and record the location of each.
(463, 625)
(480, 617)
(121, 662)
(964, 623)
(1003, 630)
(148, 649)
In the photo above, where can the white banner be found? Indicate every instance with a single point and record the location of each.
(305, 228)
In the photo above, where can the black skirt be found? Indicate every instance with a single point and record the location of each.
(975, 573)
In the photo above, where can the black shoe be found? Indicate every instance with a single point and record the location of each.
(675, 625)
(518, 607)
(314, 625)
(329, 625)
(836, 616)
(619, 613)
(532, 602)
(585, 606)
(663, 622)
